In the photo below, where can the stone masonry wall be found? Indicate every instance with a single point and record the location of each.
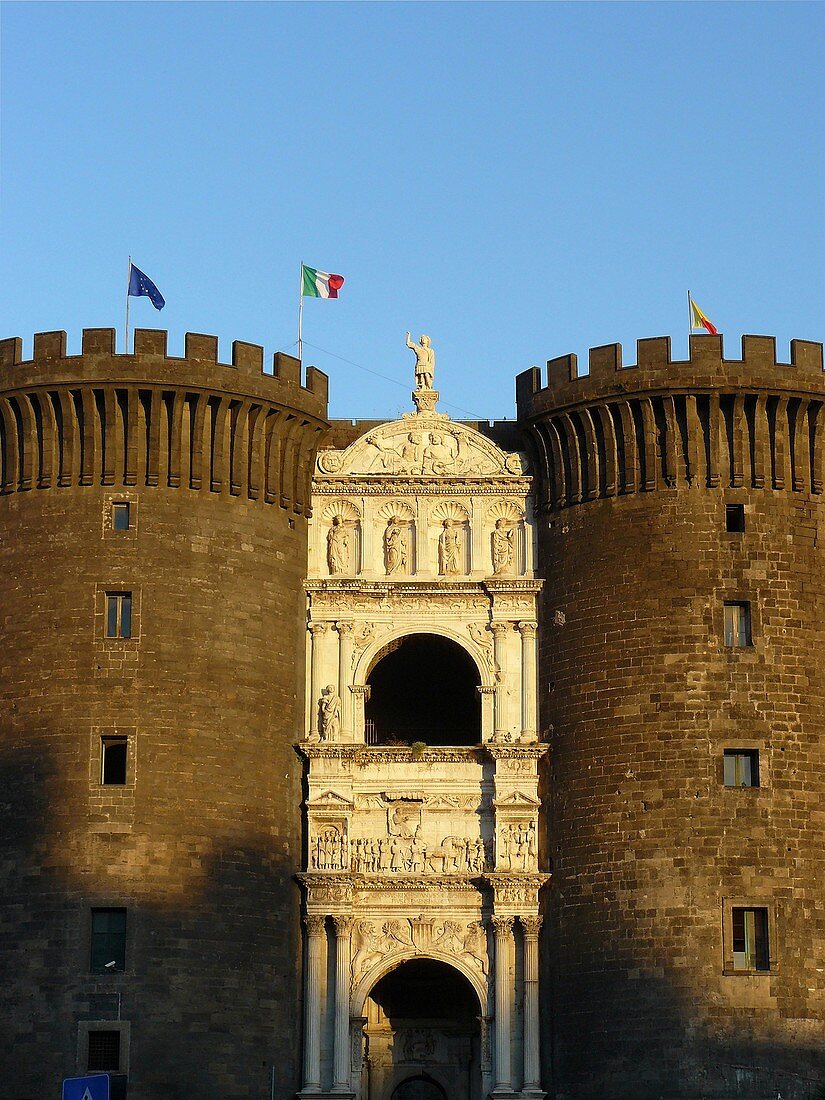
(202, 843)
(640, 698)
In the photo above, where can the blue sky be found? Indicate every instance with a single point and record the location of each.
(516, 180)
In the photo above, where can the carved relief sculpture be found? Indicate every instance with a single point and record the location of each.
(396, 547)
(503, 541)
(330, 714)
(338, 548)
(449, 549)
(517, 847)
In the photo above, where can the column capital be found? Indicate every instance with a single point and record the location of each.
(531, 925)
(344, 627)
(343, 925)
(502, 926)
(499, 628)
(317, 628)
(315, 924)
(361, 689)
(528, 629)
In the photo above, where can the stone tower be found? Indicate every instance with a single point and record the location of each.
(682, 682)
(153, 542)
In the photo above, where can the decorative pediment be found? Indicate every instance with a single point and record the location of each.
(329, 800)
(421, 445)
(516, 800)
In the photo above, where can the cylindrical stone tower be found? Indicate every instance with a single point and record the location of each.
(153, 540)
(682, 680)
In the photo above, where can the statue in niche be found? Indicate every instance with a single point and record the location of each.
(449, 549)
(338, 556)
(503, 546)
(330, 708)
(396, 547)
(424, 362)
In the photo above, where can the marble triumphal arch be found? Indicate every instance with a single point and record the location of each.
(423, 870)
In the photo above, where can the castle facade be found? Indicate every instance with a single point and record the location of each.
(412, 760)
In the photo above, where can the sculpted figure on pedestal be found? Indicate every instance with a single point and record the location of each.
(396, 547)
(424, 362)
(503, 539)
(338, 556)
(330, 705)
(449, 549)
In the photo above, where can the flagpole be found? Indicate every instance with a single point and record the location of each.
(690, 322)
(301, 313)
(128, 283)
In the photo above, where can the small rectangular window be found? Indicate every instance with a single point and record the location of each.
(118, 614)
(108, 950)
(750, 939)
(113, 754)
(735, 518)
(120, 515)
(741, 768)
(737, 624)
(104, 1050)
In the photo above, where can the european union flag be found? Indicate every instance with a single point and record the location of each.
(140, 285)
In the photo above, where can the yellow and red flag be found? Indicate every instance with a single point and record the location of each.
(699, 320)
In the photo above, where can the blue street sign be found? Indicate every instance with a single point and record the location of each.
(95, 1087)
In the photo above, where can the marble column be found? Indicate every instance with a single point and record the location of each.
(341, 1039)
(316, 631)
(316, 965)
(499, 728)
(345, 642)
(532, 1069)
(528, 680)
(503, 929)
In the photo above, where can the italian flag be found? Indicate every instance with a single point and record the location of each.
(699, 320)
(319, 284)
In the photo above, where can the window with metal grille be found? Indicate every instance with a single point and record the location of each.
(738, 624)
(104, 1050)
(108, 948)
(750, 939)
(118, 614)
(741, 768)
(113, 754)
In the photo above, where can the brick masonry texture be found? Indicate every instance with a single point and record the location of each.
(641, 697)
(202, 844)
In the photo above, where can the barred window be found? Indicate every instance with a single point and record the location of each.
(741, 768)
(104, 1050)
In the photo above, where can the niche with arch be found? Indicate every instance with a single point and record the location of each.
(451, 523)
(341, 524)
(396, 541)
(506, 545)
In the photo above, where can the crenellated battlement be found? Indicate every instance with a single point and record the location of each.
(156, 364)
(655, 369)
(148, 418)
(662, 423)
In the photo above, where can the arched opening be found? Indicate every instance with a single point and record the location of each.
(421, 1087)
(424, 688)
(422, 1034)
